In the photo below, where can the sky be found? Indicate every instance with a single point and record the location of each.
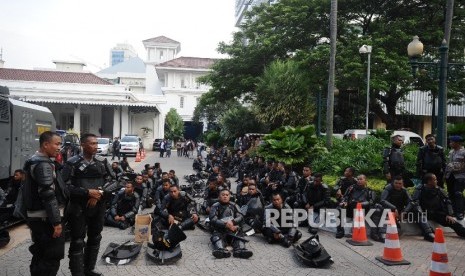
(35, 32)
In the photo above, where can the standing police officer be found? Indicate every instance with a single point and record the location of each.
(431, 159)
(394, 163)
(42, 197)
(85, 174)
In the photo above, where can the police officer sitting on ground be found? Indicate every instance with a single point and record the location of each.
(160, 194)
(284, 234)
(86, 174)
(124, 208)
(125, 165)
(225, 220)
(254, 208)
(345, 182)
(117, 170)
(179, 208)
(359, 193)
(434, 201)
(212, 193)
(316, 197)
(396, 198)
(140, 187)
(43, 195)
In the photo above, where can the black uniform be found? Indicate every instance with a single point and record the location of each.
(436, 204)
(431, 160)
(359, 194)
(394, 163)
(181, 209)
(123, 205)
(82, 176)
(220, 214)
(254, 211)
(344, 183)
(401, 201)
(317, 196)
(287, 235)
(42, 196)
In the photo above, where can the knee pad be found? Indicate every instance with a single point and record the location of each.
(76, 246)
(214, 239)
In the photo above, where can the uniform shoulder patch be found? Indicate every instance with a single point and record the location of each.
(99, 158)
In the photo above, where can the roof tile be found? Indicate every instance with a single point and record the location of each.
(50, 76)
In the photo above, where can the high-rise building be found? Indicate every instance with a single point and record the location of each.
(121, 52)
(242, 6)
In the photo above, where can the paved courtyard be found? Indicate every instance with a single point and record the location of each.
(267, 259)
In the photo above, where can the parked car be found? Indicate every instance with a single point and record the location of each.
(156, 144)
(105, 146)
(130, 144)
(408, 136)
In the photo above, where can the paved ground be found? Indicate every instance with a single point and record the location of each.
(267, 259)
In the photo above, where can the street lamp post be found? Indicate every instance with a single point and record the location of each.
(415, 50)
(366, 49)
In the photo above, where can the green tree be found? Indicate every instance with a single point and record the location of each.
(174, 125)
(298, 29)
(238, 121)
(283, 97)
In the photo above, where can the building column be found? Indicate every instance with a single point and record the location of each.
(161, 125)
(116, 121)
(124, 121)
(77, 119)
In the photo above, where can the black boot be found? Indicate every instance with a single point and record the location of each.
(240, 251)
(340, 232)
(188, 224)
(312, 230)
(218, 248)
(91, 253)
(429, 237)
(76, 264)
(375, 235)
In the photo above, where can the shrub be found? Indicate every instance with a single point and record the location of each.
(365, 155)
(292, 145)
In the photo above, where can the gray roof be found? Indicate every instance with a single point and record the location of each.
(161, 39)
(132, 65)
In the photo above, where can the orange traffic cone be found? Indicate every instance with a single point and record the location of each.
(359, 232)
(143, 154)
(138, 157)
(439, 266)
(392, 254)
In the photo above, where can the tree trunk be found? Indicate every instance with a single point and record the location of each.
(332, 68)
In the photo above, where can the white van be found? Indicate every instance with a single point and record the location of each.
(409, 137)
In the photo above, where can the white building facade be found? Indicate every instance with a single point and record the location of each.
(86, 103)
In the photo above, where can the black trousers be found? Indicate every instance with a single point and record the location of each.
(441, 219)
(46, 250)
(90, 222)
(455, 189)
